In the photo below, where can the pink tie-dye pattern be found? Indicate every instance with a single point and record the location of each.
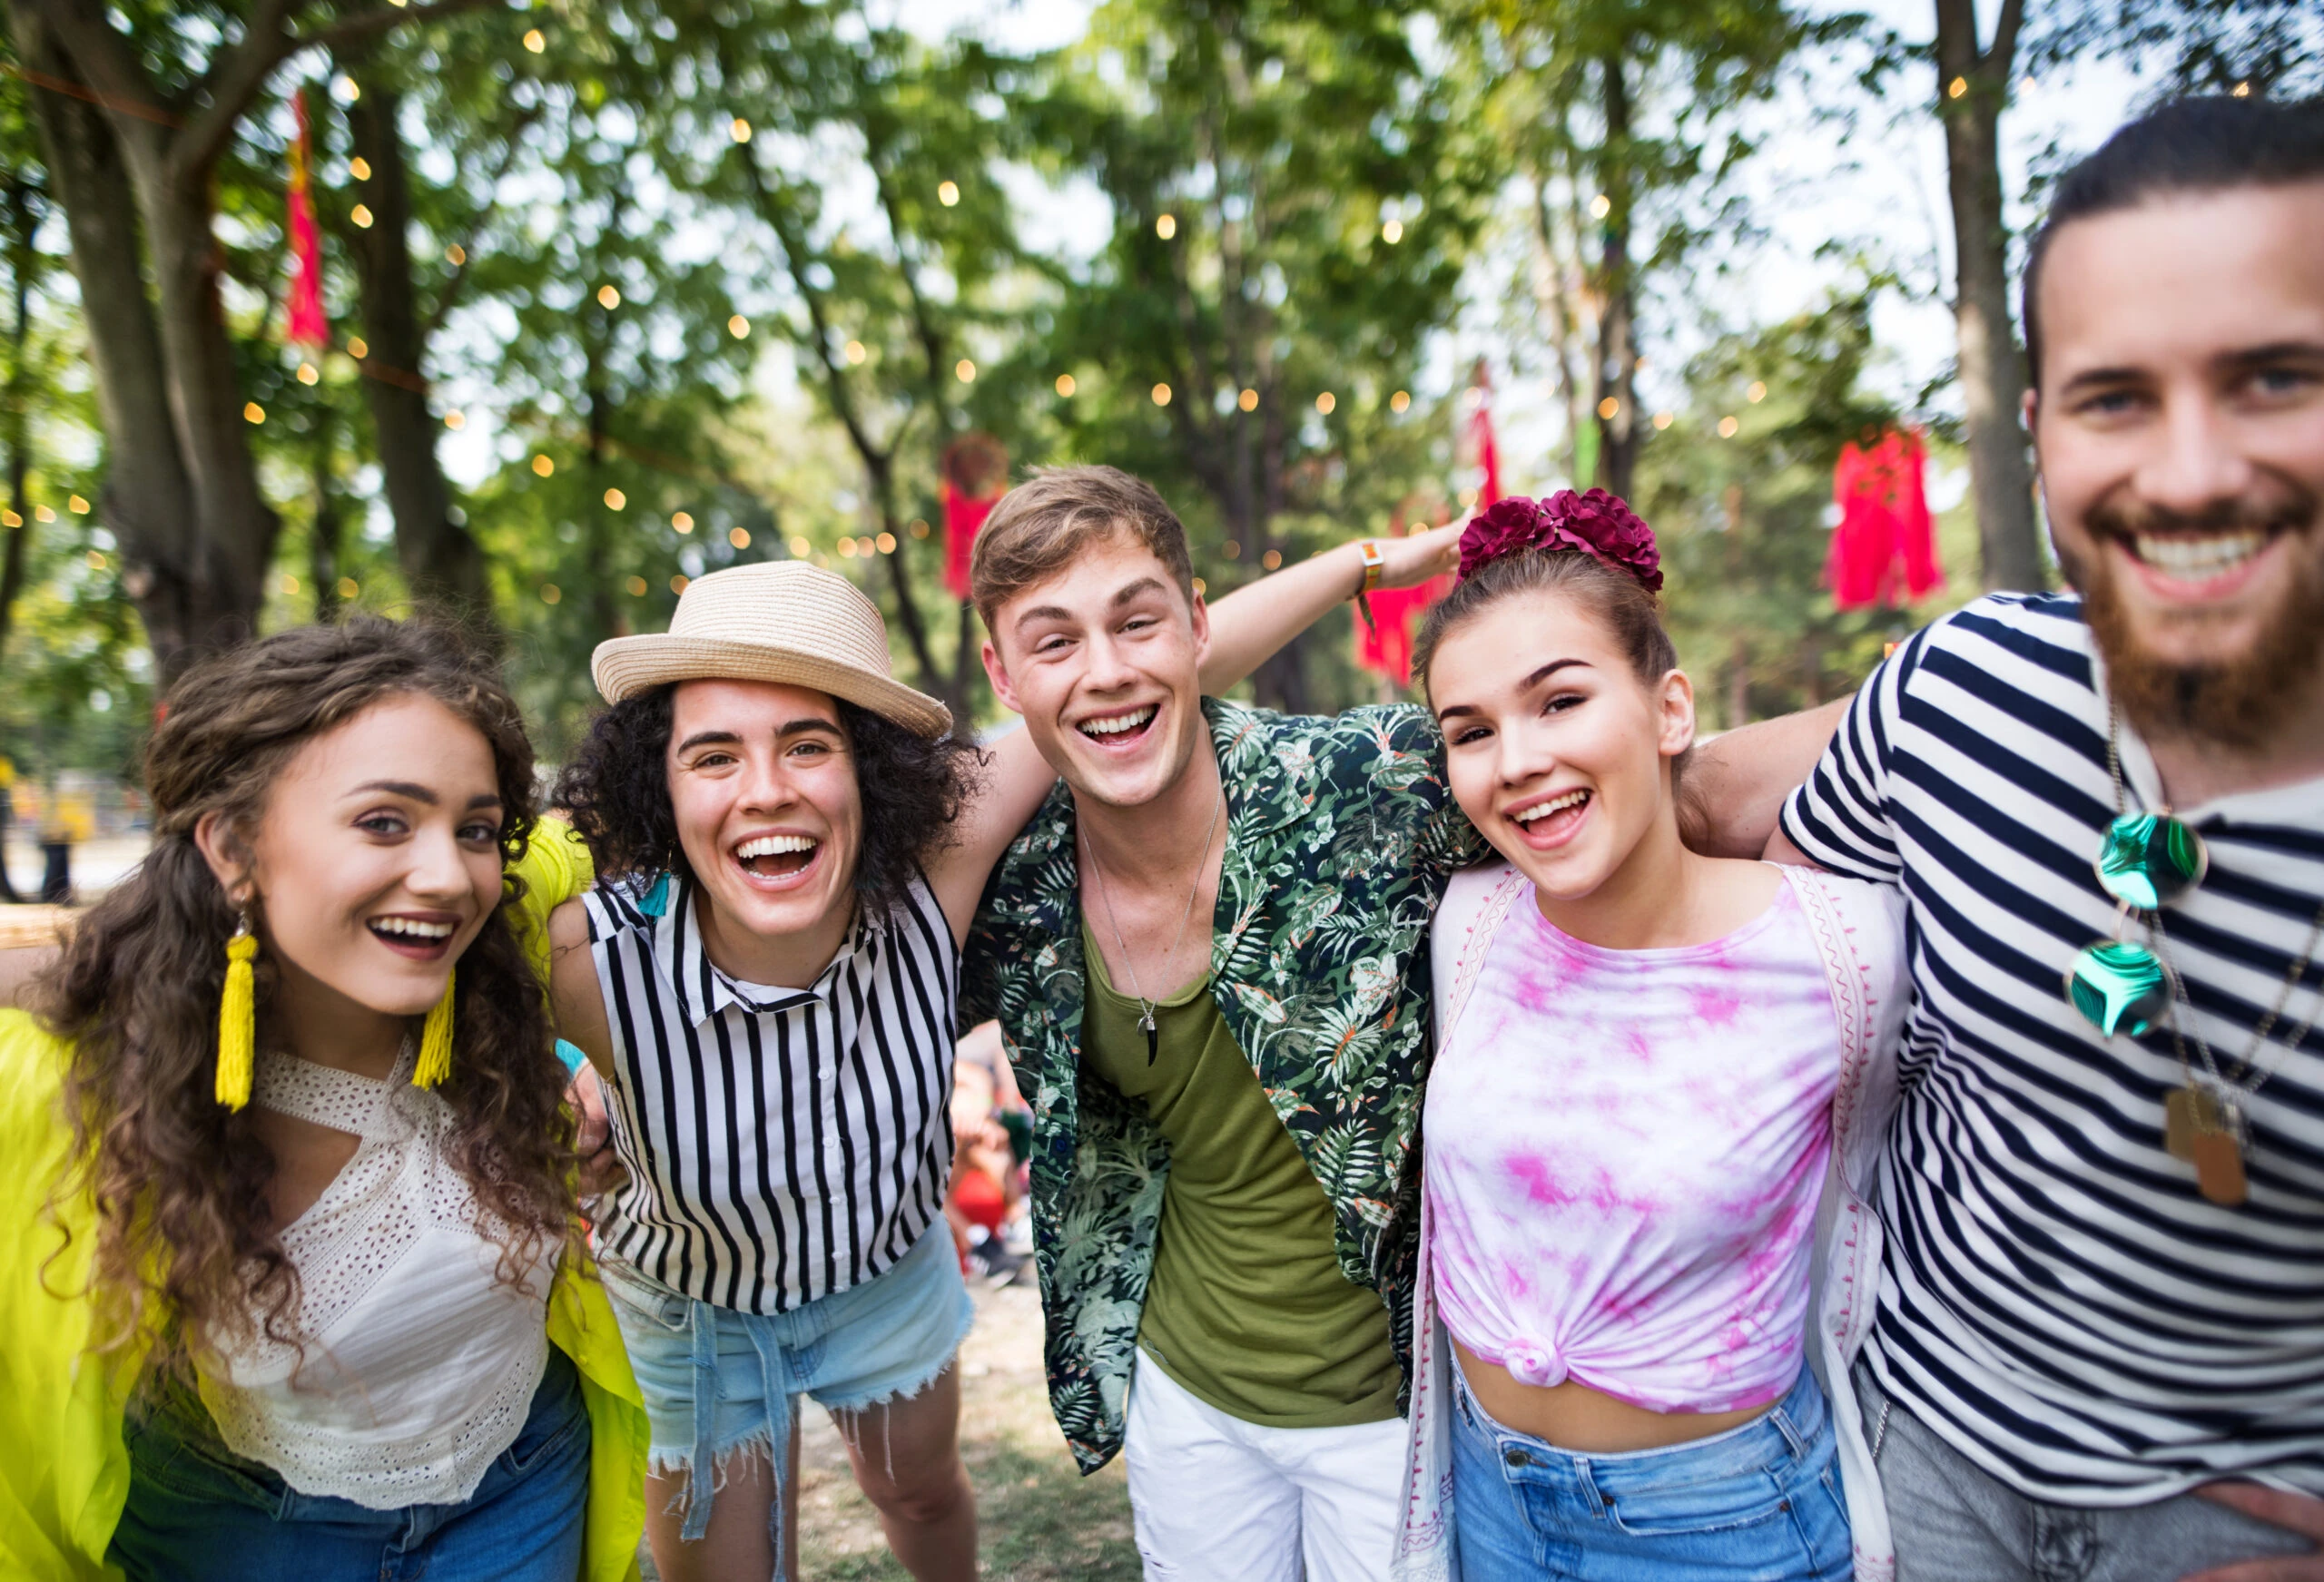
(1625, 1150)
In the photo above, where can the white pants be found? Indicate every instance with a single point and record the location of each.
(1215, 1497)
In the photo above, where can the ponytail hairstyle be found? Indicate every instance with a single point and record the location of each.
(186, 1249)
(1591, 547)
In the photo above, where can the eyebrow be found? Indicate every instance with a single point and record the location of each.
(1527, 686)
(1126, 594)
(2242, 360)
(734, 738)
(420, 793)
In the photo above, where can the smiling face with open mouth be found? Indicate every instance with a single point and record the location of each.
(762, 786)
(1556, 749)
(1102, 660)
(2180, 424)
(377, 859)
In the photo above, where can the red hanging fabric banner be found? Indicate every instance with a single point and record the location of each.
(1480, 437)
(962, 518)
(1884, 550)
(308, 326)
(975, 475)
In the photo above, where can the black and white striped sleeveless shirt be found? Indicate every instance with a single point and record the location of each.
(2056, 1301)
(782, 1144)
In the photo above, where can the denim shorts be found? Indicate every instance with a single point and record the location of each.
(1761, 1500)
(197, 1512)
(716, 1380)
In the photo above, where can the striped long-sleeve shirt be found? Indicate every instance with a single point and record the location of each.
(2056, 1300)
(782, 1144)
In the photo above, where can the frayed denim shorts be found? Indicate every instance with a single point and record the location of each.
(716, 1380)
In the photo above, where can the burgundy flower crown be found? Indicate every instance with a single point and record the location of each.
(1595, 523)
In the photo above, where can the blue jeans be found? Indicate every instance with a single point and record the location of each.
(197, 1512)
(1758, 1501)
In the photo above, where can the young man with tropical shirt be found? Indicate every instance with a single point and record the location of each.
(1206, 954)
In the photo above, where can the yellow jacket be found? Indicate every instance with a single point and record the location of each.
(63, 1468)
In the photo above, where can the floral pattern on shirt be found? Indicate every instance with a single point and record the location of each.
(1341, 833)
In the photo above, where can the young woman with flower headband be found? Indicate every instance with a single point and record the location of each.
(1652, 1068)
(290, 1285)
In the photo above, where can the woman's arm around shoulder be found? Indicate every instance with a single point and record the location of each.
(573, 993)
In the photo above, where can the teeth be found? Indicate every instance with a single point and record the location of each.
(1573, 798)
(772, 846)
(412, 928)
(1115, 724)
(2203, 555)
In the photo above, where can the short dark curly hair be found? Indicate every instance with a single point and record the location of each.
(616, 790)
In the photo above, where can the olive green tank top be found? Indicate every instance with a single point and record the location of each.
(1247, 1308)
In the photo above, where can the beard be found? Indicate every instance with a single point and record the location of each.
(2239, 701)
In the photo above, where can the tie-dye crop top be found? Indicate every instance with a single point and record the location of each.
(1625, 1150)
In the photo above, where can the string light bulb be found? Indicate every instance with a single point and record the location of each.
(1248, 400)
(739, 130)
(1758, 392)
(682, 521)
(608, 297)
(1729, 426)
(799, 546)
(738, 327)
(456, 255)
(1401, 401)
(358, 348)
(456, 419)
(534, 39)
(543, 466)
(1161, 395)
(361, 215)
(965, 371)
(253, 413)
(855, 353)
(359, 168)
(1325, 402)
(1166, 226)
(308, 373)
(615, 499)
(946, 194)
(1065, 384)
(1600, 206)
(1392, 232)
(739, 537)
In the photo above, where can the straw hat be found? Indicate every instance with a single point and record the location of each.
(779, 621)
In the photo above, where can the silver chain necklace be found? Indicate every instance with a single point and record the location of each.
(1146, 1006)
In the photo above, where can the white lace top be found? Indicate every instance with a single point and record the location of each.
(419, 1364)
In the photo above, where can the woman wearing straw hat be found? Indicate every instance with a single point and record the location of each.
(791, 846)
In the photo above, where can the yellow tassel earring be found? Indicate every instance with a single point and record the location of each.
(238, 1019)
(436, 1041)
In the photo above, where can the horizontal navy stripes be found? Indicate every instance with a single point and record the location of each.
(783, 1144)
(2057, 1301)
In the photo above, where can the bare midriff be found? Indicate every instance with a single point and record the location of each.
(1574, 1417)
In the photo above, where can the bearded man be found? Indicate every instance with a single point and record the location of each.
(2099, 1348)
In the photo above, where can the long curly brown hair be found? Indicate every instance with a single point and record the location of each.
(180, 1185)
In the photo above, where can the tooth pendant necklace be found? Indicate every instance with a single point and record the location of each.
(1146, 1006)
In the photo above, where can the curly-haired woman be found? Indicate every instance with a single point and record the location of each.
(793, 847)
(294, 1288)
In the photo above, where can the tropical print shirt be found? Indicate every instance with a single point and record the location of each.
(1341, 833)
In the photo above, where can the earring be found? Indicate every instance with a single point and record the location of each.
(435, 1062)
(238, 1019)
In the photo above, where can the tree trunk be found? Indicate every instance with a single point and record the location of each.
(146, 497)
(21, 220)
(441, 562)
(235, 528)
(1993, 368)
(327, 534)
(1617, 335)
